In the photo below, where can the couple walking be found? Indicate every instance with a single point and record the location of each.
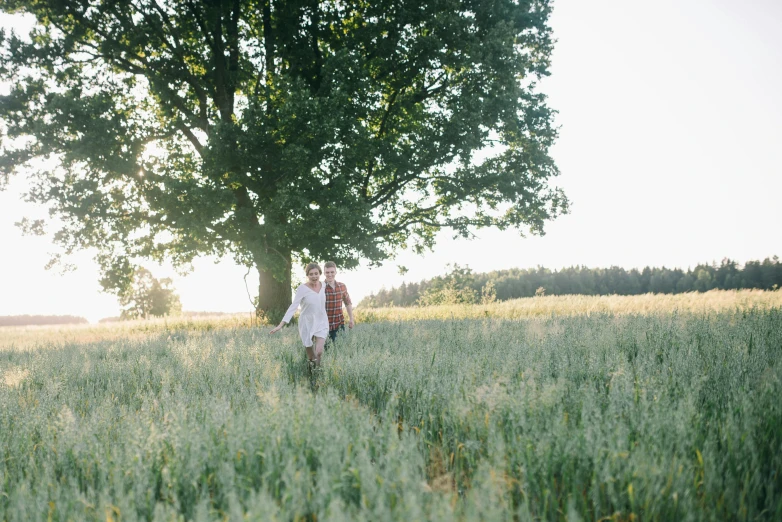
(321, 310)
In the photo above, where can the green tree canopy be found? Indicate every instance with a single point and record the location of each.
(277, 132)
(148, 296)
(454, 288)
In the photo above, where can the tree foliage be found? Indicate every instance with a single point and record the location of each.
(462, 285)
(454, 288)
(281, 131)
(149, 297)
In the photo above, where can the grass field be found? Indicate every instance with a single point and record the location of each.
(544, 409)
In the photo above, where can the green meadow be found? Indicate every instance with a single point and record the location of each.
(638, 409)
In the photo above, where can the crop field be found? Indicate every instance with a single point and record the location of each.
(648, 409)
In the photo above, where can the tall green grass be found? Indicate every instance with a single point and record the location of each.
(203, 425)
(603, 416)
(665, 418)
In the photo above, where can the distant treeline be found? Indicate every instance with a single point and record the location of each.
(178, 314)
(462, 285)
(26, 320)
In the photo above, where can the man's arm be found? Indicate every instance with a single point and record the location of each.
(352, 323)
(348, 305)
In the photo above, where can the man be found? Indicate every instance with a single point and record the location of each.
(336, 294)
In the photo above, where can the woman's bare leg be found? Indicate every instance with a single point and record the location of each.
(318, 349)
(315, 351)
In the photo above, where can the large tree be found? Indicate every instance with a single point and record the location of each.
(278, 131)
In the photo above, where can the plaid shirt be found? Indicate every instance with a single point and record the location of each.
(334, 299)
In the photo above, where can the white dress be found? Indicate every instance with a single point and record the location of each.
(313, 321)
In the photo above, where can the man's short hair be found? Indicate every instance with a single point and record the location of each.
(330, 264)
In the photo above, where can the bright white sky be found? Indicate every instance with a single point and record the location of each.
(671, 124)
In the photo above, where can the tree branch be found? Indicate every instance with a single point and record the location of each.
(201, 23)
(405, 225)
(191, 137)
(313, 30)
(233, 43)
(391, 189)
(177, 48)
(268, 42)
(128, 66)
(381, 130)
(222, 83)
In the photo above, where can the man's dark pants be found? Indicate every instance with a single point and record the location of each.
(333, 333)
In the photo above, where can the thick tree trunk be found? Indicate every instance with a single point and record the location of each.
(274, 297)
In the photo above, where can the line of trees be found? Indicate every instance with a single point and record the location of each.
(27, 320)
(462, 285)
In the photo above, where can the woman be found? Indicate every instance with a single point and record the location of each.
(313, 321)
